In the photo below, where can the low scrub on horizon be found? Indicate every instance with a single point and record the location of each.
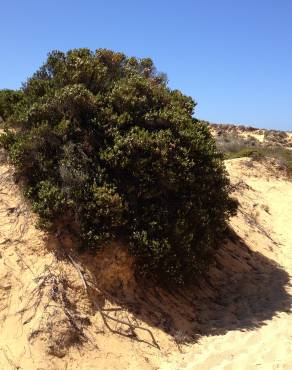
(233, 145)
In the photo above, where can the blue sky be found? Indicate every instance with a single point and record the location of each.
(233, 57)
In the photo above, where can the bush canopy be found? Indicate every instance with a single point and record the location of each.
(104, 145)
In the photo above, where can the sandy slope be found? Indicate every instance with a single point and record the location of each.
(237, 319)
(266, 198)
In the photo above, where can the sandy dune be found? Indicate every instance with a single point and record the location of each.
(264, 223)
(238, 318)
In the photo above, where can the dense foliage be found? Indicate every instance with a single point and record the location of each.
(8, 101)
(103, 143)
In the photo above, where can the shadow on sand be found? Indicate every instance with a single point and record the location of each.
(242, 290)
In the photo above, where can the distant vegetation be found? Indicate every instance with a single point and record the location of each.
(103, 145)
(275, 144)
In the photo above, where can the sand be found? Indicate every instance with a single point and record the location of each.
(268, 199)
(239, 317)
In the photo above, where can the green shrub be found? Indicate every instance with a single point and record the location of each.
(231, 143)
(8, 101)
(103, 143)
(283, 155)
(247, 152)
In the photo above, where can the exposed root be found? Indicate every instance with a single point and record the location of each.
(59, 323)
(253, 222)
(12, 363)
(131, 327)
